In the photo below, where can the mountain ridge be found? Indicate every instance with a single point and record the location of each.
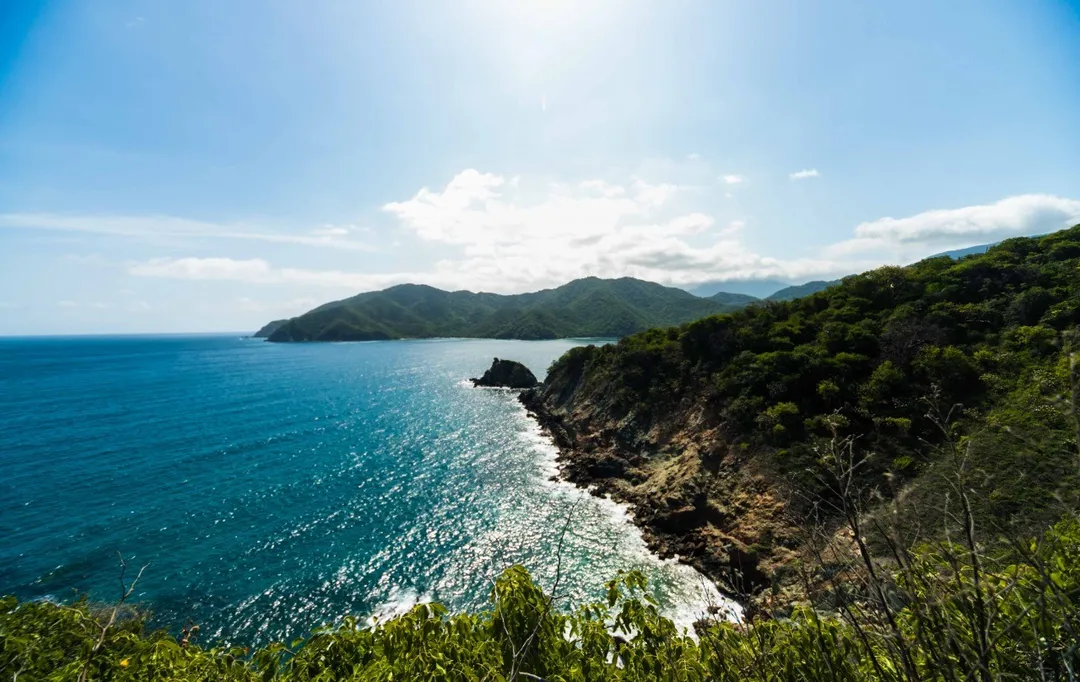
(584, 307)
(624, 305)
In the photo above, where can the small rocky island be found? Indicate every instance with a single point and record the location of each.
(507, 374)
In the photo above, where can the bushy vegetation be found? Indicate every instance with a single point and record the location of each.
(949, 611)
(987, 333)
(582, 308)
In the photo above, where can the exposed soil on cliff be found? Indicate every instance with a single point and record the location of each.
(692, 493)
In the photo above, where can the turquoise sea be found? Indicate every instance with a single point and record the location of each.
(272, 488)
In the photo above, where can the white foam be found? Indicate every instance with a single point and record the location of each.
(399, 602)
(698, 596)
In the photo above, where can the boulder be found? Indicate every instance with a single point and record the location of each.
(507, 374)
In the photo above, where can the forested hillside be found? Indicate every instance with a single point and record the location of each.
(718, 430)
(584, 307)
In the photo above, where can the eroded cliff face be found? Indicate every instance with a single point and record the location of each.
(693, 492)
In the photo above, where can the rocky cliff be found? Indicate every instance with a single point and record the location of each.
(692, 492)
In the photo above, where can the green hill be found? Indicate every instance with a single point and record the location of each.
(584, 307)
(717, 430)
(799, 290)
(758, 288)
(734, 300)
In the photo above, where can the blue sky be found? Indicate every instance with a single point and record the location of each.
(211, 165)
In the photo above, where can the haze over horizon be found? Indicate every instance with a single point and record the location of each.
(207, 166)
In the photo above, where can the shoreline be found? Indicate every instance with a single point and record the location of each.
(663, 546)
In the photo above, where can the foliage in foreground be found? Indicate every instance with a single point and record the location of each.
(947, 614)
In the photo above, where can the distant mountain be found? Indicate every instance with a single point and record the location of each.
(731, 299)
(758, 288)
(268, 329)
(584, 307)
(969, 251)
(800, 290)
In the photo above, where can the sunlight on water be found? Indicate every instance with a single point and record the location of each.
(273, 487)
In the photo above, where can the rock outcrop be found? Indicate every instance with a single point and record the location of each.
(693, 495)
(507, 374)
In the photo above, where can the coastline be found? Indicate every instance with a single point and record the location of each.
(569, 468)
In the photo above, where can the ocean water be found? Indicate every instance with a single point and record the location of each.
(272, 488)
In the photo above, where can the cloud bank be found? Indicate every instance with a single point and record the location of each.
(1027, 214)
(503, 234)
(157, 227)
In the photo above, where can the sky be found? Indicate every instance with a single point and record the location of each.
(209, 166)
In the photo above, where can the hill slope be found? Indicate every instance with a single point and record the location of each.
(584, 307)
(268, 329)
(734, 300)
(799, 290)
(715, 430)
(757, 288)
(969, 251)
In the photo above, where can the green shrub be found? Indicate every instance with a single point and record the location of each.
(1030, 603)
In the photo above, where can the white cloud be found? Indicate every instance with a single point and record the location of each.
(159, 226)
(288, 308)
(332, 231)
(504, 236)
(600, 187)
(947, 228)
(733, 228)
(259, 271)
(654, 195)
(689, 224)
(804, 174)
(250, 270)
(732, 179)
(693, 156)
(67, 304)
(592, 228)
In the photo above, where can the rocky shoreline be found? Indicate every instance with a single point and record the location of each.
(673, 525)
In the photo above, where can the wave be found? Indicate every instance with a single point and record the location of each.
(698, 596)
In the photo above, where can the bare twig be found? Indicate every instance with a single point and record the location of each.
(125, 592)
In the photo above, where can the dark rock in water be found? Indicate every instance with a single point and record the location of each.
(507, 374)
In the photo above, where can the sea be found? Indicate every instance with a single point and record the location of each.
(269, 489)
